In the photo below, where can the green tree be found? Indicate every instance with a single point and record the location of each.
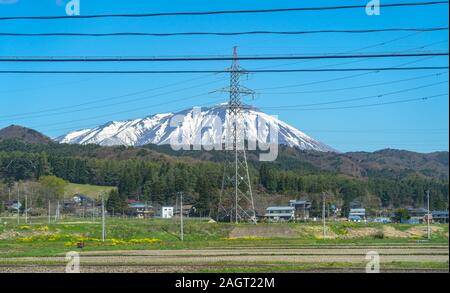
(115, 203)
(53, 186)
(401, 214)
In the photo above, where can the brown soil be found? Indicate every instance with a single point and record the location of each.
(263, 231)
(361, 233)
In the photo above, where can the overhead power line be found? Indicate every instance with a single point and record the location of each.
(218, 71)
(244, 11)
(126, 102)
(362, 106)
(50, 111)
(363, 98)
(145, 34)
(108, 115)
(186, 59)
(354, 75)
(359, 86)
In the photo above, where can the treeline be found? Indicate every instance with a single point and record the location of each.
(158, 181)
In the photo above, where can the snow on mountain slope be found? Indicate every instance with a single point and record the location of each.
(156, 129)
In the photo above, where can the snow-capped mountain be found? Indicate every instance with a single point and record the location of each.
(158, 129)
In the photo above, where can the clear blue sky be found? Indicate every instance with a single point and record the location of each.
(419, 126)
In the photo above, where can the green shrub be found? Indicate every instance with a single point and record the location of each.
(378, 235)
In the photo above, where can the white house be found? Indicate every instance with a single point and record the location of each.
(279, 214)
(167, 212)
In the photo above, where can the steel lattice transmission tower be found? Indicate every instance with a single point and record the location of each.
(236, 198)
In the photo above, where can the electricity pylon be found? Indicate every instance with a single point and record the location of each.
(236, 198)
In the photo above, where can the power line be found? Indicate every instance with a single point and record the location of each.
(202, 13)
(337, 78)
(362, 98)
(39, 114)
(145, 34)
(129, 110)
(183, 59)
(359, 86)
(363, 106)
(177, 83)
(218, 71)
(373, 46)
(104, 99)
(385, 131)
(90, 126)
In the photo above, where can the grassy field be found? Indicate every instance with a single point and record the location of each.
(155, 245)
(93, 191)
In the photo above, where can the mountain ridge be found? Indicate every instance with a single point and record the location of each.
(157, 129)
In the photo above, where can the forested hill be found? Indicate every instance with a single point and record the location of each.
(388, 178)
(356, 164)
(24, 134)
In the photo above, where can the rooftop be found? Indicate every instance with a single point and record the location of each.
(286, 208)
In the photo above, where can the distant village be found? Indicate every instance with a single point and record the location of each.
(294, 211)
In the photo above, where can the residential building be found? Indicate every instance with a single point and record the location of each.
(188, 210)
(440, 217)
(140, 210)
(302, 208)
(12, 206)
(280, 213)
(417, 212)
(357, 215)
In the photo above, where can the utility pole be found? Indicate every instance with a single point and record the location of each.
(103, 219)
(49, 213)
(323, 216)
(181, 217)
(57, 212)
(26, 209)
(236, 195)
(31, 202)
(428, 215)
(18, 203)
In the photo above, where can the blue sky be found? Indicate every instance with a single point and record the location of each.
(418, 126)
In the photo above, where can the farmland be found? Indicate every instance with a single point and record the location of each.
(137, 245)
(94, 191)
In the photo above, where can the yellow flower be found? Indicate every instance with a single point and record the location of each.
(25, 239)
(117, 242)
(25, 228)
(53, 237)
(144, 241)
(250, 238)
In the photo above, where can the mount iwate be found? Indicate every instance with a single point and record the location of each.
(156, 129)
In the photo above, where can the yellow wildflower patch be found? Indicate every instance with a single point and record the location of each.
(25, 239)
(117, 242)
(41, 228)
(250, 238)
(144, 241)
